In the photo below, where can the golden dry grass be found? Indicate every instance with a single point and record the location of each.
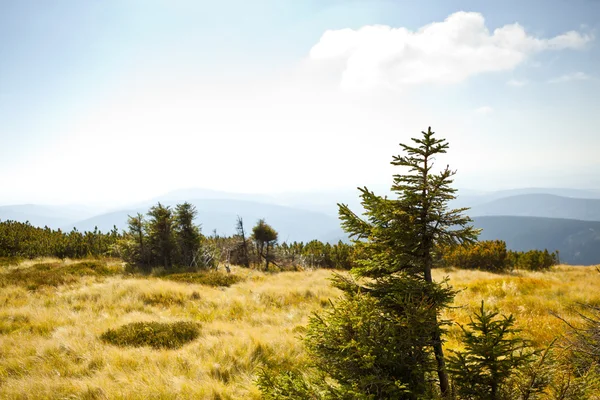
(50, 347)
(532, 297)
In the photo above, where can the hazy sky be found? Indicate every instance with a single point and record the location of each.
(116, 101)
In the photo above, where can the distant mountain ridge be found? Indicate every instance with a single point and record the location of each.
(541, 205)
(221, 215)
(524, 218)
(40, 215)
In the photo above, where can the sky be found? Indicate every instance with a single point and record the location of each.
(109, 102)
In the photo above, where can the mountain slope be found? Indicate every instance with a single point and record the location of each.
(541, 205)
(470, 198)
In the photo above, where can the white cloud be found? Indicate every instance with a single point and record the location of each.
(517, 83)
(577, 76)
(485, 110)
(442, 52)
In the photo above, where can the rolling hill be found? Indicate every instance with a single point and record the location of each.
(39, 215)
(221, 214)
(469, 198)
(541, 205)
(524, 218)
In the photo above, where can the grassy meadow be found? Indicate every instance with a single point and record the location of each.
(53, 313)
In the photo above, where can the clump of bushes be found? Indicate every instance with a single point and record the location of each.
(533, 260)
(212, 278)
(56, 274)
(154, 334)
(492, 256)
(489, 255)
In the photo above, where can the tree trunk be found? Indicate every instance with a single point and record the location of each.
(427, 263)
(437, 342)
(267, 258)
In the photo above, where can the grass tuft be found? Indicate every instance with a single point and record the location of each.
(154, 334)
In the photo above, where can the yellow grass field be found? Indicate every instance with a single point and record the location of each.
(50, 346)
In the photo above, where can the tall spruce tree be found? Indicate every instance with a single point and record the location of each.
(160, 235)
(138, 252)
(187, 234)
(397, 239)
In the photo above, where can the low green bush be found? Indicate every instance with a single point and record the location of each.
(533, 260)
(487, 255)
(154, 334)
(492, 256)
(214, 278)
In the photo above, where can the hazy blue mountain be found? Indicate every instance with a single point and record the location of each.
(471, 198)
(40, 215)
(508, 215)
(577, 241)
(319, 201)
(221, 214)
(541, 205)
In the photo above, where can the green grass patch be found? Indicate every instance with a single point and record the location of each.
(154, 334)
(206, 278)
(56, 274)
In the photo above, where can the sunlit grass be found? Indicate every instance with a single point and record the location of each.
(534, 298)
(50, 343)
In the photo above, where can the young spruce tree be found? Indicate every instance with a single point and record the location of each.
(397, 239)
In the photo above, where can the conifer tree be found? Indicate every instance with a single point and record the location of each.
(241, 233)
(160, 235)
(138, 252)
(493, 352)
(187, 234)
(265, 237)
(397, 238)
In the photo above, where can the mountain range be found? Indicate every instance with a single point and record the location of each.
(567, 220)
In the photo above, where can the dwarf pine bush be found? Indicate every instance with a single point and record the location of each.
(153, 334)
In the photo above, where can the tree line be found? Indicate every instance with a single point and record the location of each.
(169, 239)
(22, 240)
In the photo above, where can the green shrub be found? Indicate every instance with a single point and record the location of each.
(154, 334)
(533, 260)
(206, 278)
(487, 255)
(289, 385)
(492, 256)
(493, 354)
